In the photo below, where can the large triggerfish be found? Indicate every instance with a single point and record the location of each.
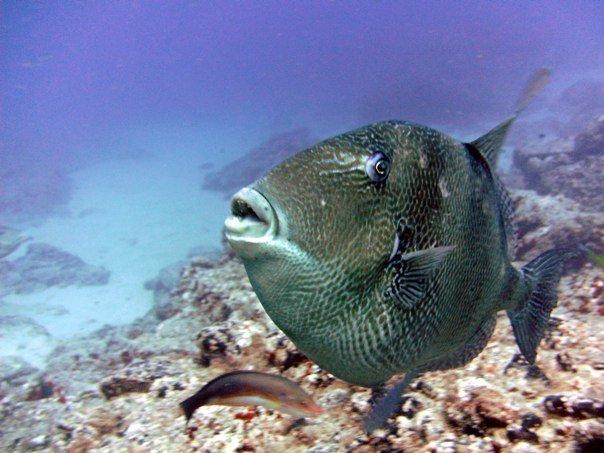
(389, 250)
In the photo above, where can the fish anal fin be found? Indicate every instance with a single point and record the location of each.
(412, 274)
(388, 405)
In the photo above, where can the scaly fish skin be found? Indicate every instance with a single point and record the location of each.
(324, 278)
(388, 249)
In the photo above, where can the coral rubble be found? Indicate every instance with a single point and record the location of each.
(545, 222)
(118, 389)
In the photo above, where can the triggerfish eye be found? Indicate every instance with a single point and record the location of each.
(377, 167)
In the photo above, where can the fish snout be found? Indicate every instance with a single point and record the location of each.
(306, 408)
(253, 220)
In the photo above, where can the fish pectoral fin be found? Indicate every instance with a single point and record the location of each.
(412, 274)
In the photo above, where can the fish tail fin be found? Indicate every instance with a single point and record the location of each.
(530, 317)
(191, 404)
(384, 408)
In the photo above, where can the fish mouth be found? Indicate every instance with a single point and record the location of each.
(252, 221)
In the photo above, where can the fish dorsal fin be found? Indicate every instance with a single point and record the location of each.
(412, 274)
(490, 143)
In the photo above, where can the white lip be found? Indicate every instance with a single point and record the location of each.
(253, 219)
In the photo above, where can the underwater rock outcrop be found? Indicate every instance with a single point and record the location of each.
(255, 163)
(44, 266)
(549, 221)
(567, 166)
(10, 240)
(162, 286)
(166, 281)
(21, 335)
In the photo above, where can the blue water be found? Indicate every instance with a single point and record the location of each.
(112, 112)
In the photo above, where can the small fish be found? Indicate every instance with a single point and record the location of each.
(251, 388)
(389, 250)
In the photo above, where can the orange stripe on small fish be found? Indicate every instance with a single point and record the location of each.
(251, 388)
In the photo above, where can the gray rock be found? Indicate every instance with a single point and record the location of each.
(162, 285)
(15, 371)
(545, 222)
(10, 240)
(571, 167)
(255, 163)
(168, 278)
(43, 266)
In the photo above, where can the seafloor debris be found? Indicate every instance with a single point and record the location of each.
(576, 406)
(162, 286)
(214, 342)
(475, 408)
(118, 385)
(282, 353)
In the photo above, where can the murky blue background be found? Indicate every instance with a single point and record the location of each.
(77, 75)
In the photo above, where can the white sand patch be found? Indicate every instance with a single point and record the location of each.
(133, 217)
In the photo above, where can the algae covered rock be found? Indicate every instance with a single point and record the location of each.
(548, 221)
(119, 388)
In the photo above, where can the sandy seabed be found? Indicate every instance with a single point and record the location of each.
(132, 217)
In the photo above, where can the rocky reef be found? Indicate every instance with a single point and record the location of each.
(44, 265)
(545, 222)
(570, 166)
(257, 161)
